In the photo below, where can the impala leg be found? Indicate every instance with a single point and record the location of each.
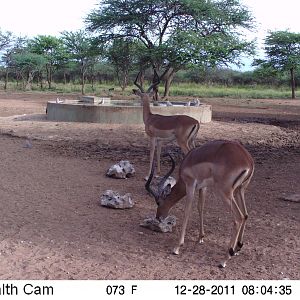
(183, 143)
(184, 146)
(187, 211)
(191, 140)
(238, 221)
(240, 199)
(192, 144)
(152, 150)
(158, 152)
(200, 206)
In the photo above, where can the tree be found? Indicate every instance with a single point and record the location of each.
(50, 47)
(82, 50)
(17, 45)
(27, 64)
(283, 54)
(5, 39)
(173, 32)
(121, 54)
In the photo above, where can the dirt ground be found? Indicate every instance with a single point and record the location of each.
(52, 226)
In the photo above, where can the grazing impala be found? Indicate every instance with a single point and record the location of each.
(160, 128)
(228, 167)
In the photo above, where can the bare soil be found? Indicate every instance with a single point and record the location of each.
(52, 226)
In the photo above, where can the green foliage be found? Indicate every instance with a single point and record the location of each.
(176, 33)
(283, 54)
(46, 45)
(193, 38)
(82, 50)
(27, 64)
(5, 39)
(51, 49)
(29, 61)
(16, 45)
(283, 50)
(122, 54)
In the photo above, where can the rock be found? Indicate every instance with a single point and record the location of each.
(27, 144)
(121, 170)
(169, 183)
(116, 171)
(127, 167)
(113, 199)
(195, 102)
(164, 225)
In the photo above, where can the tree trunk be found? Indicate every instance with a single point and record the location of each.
(155, 88)
(142, 78)
(119, 77)
(83, 70)
(92, 82)
(293, 82)
(6, 79)
(65, 78)
(82, 83)
(40, 77)
(28, 81)
(168, 80)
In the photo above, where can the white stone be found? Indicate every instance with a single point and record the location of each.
(165, 225)
(168, 185)
(121, 170)
(170, 181)
(113, 199)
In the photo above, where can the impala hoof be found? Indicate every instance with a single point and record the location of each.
(222, 265)
(176, 251)
(239, 246)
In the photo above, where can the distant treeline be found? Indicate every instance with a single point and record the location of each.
(104, 73)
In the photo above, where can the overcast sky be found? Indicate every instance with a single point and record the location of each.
(39, 17)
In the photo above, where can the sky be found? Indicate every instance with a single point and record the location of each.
(273, 15)
(39, 17)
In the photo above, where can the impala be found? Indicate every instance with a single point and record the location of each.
(227, 166)
(160, 128)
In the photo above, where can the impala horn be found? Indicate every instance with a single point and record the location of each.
(156, 81)
(148, 187)
(163, 180)
(137, 84)
(160, 189)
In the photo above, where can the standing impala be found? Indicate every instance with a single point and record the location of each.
(228, 167)
(160, 128)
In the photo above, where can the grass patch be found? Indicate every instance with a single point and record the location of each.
(181, 89)
(245, 92)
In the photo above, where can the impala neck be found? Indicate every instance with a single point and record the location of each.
(177, 193)
(146, 110)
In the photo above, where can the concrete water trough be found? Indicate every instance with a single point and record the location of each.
(105, 110)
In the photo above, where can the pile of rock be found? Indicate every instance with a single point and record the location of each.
(122, 170)
(165, 225)
(113, 199)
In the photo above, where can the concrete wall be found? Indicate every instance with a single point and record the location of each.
(72, 111)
